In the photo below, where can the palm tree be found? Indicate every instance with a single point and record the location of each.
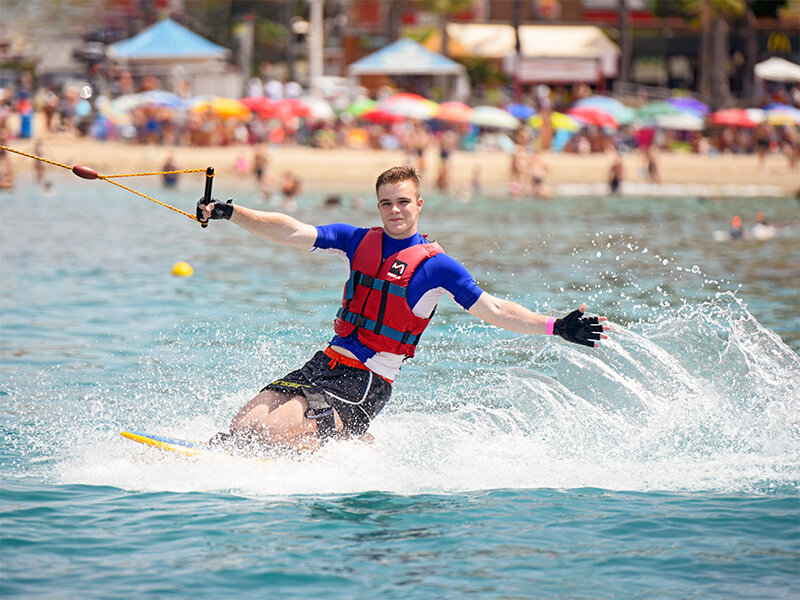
(444, 9)
(714, 17)
(625, 45)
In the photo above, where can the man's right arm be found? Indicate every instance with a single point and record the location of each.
(276, 227)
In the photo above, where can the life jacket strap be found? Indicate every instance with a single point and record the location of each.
(361, 322)
(359, 278)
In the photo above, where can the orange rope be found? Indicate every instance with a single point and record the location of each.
(52, 162)
(177, 210)
(108, 178)
(156, 173)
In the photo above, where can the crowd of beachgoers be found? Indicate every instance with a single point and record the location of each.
(544, 120)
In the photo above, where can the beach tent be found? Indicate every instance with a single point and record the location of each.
(548, 53)
(778, 69)
(167, 41)
(407, 57)
(171, 51)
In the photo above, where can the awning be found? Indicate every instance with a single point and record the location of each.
(585, 49)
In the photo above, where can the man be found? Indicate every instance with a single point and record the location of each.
(396, 280)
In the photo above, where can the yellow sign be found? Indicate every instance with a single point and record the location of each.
(779, 43)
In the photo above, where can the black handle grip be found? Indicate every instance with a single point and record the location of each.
(207, 193)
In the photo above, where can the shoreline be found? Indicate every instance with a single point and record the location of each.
(346, 169)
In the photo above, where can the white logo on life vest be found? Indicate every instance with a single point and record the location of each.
(397, 269)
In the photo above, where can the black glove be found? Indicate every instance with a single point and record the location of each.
(578, 329)
(220, 210)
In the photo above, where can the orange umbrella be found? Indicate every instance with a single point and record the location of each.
(457, 112)
(406, 96)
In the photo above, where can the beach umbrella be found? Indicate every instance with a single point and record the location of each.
(109, 111)
(692, 105)
(130, 102)
(410, 109)
(262, 106)
(227, 108)
(361, 106)
(375, 115)
(491, 116)
(778, 69)
(457, 112)
(593, 115)
(520, 111)
(285, 109)
(410, 106)
(757, 115)
(558, 121)
(782, 115)
(405, 96)
(623, 114)
(685, 121)
(733, 117)
(161, 98)
(126, 103)
(288, 108)
(651, 110)
(774, 105)
(319, 108)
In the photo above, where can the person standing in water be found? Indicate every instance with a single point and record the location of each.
(397, 278)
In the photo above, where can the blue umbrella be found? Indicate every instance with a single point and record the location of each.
(692, 105)
(521, 111)
(161, 98)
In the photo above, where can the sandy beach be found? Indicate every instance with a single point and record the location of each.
(348, 169)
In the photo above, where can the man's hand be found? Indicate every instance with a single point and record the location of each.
(578, 329)
(215, 209)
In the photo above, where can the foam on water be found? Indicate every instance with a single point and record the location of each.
(706, 399)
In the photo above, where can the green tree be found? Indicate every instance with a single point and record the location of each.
(444, 10)
(713, 18)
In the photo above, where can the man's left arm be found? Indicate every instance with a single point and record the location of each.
(514, 317)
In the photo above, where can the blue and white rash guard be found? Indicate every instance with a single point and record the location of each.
(437, 276)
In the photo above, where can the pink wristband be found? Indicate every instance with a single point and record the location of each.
(549, 327)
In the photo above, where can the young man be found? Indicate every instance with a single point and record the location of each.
(396, 279)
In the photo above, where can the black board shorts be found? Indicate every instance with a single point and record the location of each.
(358, 395)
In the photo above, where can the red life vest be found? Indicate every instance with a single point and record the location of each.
(374, 301)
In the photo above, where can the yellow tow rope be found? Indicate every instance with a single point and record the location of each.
(85, 172)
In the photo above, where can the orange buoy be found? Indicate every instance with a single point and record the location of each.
(85, 172)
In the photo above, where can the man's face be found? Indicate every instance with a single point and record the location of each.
(399, 208)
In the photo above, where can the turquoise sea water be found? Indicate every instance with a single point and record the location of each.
(663, 465)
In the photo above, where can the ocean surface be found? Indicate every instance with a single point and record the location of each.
(664, 464)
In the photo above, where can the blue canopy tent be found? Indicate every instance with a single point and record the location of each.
(170, 50)
(167, 41)
(407, 57)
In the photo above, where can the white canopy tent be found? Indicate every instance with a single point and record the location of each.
(778, 69)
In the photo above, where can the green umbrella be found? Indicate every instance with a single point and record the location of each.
(659, 108)
(359, 107)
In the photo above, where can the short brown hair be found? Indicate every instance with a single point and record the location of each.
(398, 175)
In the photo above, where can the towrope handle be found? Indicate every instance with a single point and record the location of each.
(206, 196)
